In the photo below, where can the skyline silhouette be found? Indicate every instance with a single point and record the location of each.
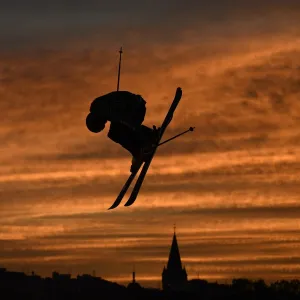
(16, 285)
(174, 279)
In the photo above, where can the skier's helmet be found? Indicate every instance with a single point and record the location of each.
(95, 123)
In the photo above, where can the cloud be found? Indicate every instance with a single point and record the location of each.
(227, 256)
(112, 21)
(273, 177)
(231, 186)
(251, 122)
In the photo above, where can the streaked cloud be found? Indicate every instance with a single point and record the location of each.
(232, 186)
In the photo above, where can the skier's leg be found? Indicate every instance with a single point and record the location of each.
(148, 137)
(144, 140)
(144, 137)
(138, 141)
(127, 137)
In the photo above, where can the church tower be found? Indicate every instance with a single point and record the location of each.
(133, 285)
(174, 277)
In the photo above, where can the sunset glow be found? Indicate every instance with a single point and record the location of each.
(232, 186)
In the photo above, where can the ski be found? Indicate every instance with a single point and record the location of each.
(125, 188)
(146, 166)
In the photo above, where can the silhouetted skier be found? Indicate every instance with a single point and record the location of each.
(126, 112)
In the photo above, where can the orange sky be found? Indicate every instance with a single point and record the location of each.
(232, 186)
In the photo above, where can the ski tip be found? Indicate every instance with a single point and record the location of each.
(131, 200)
(179, 92)
(112, 207)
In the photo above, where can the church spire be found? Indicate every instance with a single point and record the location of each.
(174, 276)
(174, 262)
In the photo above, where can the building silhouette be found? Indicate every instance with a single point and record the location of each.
(174, 276)
(58, 276)
(134, 285)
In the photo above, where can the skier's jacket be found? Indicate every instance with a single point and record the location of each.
(120, 107)
(126, 112)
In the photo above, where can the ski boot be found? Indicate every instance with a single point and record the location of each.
(145, 151)
(136, 161)
(155, 135)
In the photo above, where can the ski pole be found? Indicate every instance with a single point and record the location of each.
(119, 71)
(174, 137)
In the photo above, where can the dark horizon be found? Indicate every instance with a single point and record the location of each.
(156, 284)
(61, 286)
